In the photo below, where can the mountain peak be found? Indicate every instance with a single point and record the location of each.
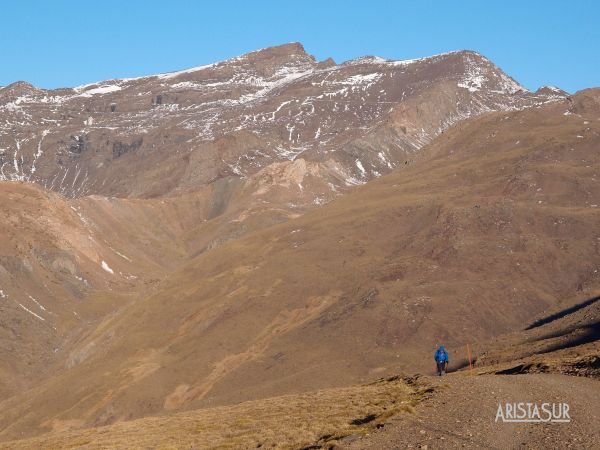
(326, 63)
(18, 88)
(552, 90)
(293, 50)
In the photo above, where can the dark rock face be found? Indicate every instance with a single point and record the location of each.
(78, 144)
(356, 120)
(120, 148)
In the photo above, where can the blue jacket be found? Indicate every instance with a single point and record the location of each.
(441, 355)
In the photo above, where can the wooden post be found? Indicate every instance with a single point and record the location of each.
(469, 355)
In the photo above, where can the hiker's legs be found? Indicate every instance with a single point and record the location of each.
(439, 367)
(444, 364)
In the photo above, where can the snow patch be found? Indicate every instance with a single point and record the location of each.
(169, 75)
(36, 302)
(363, 172)
(106, 89)
(32, 313)
(381, 157)
(554, 89)
(377, 60)
(107, 268)
(122, 256)
(472, 82)
(363, 79)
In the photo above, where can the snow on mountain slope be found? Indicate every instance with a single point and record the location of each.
(186, 129)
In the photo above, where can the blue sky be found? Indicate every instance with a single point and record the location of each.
(65, 43)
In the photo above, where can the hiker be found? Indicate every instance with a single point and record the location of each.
(441, 359)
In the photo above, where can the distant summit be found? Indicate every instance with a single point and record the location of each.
(552, 91)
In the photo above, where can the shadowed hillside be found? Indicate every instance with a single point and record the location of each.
(567, 341)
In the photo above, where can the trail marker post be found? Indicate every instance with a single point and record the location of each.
(469, 356)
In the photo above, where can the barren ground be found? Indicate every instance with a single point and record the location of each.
(462, 415)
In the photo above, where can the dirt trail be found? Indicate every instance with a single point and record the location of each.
(463, 415)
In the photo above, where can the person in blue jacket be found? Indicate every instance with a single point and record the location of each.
(441, 358)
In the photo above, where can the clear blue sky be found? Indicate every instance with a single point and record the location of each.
(54, 43)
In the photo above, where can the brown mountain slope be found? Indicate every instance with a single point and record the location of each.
(66, 264)
(51, 274)
(307, 132)
(454, 411)
(496, 221)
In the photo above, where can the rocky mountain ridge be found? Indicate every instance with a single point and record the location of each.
(163, 134)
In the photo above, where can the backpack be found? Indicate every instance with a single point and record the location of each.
(441, 355)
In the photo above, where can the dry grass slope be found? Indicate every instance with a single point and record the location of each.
(293, 421)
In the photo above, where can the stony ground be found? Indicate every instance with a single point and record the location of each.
(462, 415)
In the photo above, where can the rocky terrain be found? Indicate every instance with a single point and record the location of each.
(461, 414)
(272, 225)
